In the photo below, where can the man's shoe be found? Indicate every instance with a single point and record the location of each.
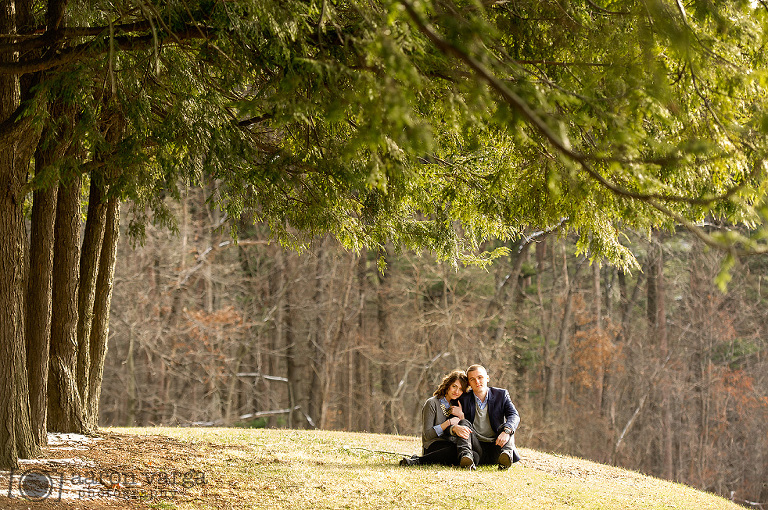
(504, 460)
(467, 462)
(409, 461)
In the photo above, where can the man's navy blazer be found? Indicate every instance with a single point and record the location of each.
(501, 410)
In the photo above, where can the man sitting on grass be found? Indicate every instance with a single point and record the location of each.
(490, 416)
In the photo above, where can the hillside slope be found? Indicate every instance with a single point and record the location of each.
(296, 469)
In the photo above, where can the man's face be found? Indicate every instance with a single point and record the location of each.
(478, 380)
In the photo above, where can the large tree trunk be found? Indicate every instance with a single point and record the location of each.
(65, 413)
(16, 438)
(39, 288)
(40, 278)
(89, 266)
(102, 302)
(11, 303)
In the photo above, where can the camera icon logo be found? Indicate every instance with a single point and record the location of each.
(34, 485)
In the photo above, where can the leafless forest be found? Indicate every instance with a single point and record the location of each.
(657, 370)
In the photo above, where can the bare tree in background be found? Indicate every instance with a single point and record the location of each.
(654, 370)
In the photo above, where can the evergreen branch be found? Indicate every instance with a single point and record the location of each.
(540, 125)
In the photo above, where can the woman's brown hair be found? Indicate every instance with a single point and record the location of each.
(450, 379)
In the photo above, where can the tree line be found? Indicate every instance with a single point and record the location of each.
(656, 370)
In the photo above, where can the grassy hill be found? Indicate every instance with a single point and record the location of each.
(292, 469)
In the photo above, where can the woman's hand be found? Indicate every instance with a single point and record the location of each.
(456, 411)
(454, 421)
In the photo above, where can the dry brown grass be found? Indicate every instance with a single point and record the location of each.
(290, 469)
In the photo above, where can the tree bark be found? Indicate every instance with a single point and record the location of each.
(39, 288)
(102, 304)
(89, 267)
(11, 302)
(50, 147)
(65, 412)
(16, 437)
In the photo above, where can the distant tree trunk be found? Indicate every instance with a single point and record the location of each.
(547, 328)
(296, 357)
(319, 345)
(102, 303)
(65, 412)
(558, 368)
(39, 288)
(277, 294)
(499, 309)
(386, 374)
(130, 386)
(334, 355)
(598, 300)
(658, 321)
(362, 386)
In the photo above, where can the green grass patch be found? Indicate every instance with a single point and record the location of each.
(298, 469)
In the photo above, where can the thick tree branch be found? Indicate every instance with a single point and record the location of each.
(709, 240)
(606, 11)
(42, 38)
(91, 50)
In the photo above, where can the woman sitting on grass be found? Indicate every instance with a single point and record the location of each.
(439, 414)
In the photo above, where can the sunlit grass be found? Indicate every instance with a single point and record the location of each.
(290, 469)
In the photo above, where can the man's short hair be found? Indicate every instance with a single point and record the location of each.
(474, 367)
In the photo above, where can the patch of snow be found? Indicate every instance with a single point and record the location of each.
(58, 462)
(60, 438)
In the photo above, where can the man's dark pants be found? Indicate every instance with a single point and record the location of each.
(482, 452)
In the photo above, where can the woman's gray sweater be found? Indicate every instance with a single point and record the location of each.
(432, 414)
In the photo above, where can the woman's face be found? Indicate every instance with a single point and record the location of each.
(454, 391)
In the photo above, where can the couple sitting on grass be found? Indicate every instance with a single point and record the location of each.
(468, 428)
